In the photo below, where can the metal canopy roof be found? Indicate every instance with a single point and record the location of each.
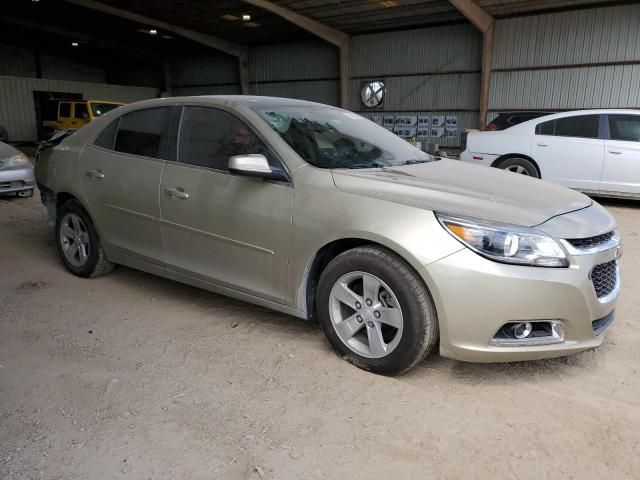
(51, 24)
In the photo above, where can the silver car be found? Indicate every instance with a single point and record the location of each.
(319, 213)
(16, 172)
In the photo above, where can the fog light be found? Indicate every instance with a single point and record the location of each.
(522, 330)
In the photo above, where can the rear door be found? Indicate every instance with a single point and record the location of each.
(227, 229)
(570, 151)
(621, 171)
(121, 177)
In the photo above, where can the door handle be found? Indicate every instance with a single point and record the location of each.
(176, 193)
(615, 152)
(95, 174)
(542, 144)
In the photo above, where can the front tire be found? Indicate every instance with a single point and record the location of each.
(78, 242)
(521, 166)
(375, 311)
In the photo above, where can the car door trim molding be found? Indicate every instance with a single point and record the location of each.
(218, 237)
(144, 216)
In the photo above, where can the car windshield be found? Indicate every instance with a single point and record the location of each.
(101, 108)
(328, 137)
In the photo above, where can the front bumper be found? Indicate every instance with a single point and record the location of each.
(18, 180)
(475, 297)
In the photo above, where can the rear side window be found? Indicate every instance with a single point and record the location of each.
(81, 111)
(624, 127)
(108, 136)
(145, 133)
(581, 126)
(546, 128)
(65, 109)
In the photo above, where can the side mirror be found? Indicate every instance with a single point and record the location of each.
(253, 165)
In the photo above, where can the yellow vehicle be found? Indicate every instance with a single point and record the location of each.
(65, 114)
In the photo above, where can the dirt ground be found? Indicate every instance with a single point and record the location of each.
(134, 376)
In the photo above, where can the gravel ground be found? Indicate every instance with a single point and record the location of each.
(134, 376)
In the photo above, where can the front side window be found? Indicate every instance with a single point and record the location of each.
(81, 111)
(65, 109)
(624, 127)
(145, 133)
(209, 137)
(329, 137)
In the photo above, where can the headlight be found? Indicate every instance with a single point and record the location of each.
(16, 161)
(506, 243)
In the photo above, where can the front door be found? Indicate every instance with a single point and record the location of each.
(230, 230)
(570, 151)
(121, 177)
(621, 171)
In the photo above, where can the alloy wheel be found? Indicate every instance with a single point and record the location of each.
(517, 169)
(74, 238)
(366, 314)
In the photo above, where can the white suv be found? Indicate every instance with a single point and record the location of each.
(595, 151)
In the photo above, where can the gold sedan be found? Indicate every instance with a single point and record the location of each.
(319, 213)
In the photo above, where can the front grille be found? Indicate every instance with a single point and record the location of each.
(603, 323)
(604, 278)
(591, 242)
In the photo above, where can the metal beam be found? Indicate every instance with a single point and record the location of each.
(485, 82)
(237, 50)
(485, 23)
(331, 35)
(327, 33)
(474, 13)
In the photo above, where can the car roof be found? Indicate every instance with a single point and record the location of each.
(572, 113)
(249, 101)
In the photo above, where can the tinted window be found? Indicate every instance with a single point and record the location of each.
(145, 132)
(108, 136)
(81, 111)
(65, 110)
(625, 127)
(546, 128)
(584, 126)
(208, 137)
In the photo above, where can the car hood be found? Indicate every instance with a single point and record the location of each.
(459, 188)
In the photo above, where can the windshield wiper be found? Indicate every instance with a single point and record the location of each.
(413, 161)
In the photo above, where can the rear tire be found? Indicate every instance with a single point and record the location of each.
(521, 166)
(78, 242)
(375, 311)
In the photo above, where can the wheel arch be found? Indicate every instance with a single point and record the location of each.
(329, 251)
(63, 197)
(507, 156)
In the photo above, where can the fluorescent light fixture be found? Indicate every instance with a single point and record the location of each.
(246, 17)
(74, 44)
(153, 31)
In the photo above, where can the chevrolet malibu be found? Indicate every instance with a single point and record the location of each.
(319, 213)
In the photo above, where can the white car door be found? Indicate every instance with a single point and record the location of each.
(621, 171)
(570, 151)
